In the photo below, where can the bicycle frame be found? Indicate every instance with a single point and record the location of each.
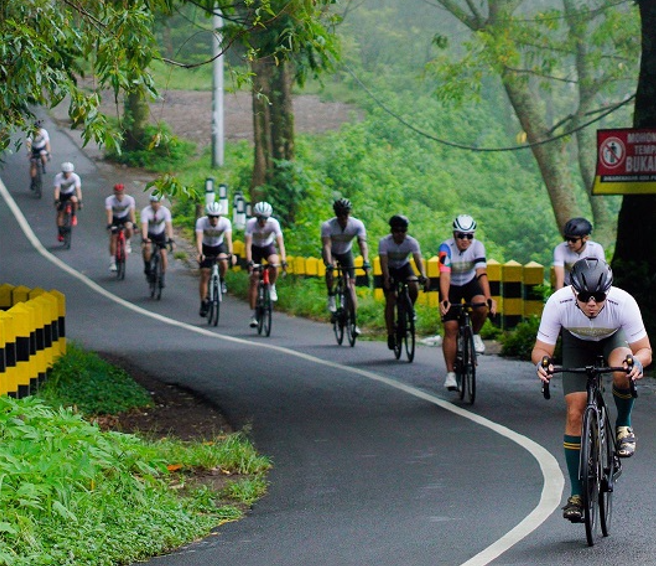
(36, 182)
(263, 304)
(120, 254)
(465, 365)
(67, 222)
(344, 317)
(214, 292)
(404, 323)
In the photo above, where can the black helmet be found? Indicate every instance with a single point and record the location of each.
(399, 221)
(577, 227)
(591, 275)
(342, 206)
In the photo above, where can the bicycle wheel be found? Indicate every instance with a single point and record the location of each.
(589, 471)
(120, 257)
(469, 366)
(67, 227)
(608, 471)
(38, 180)
(349, 311)
(152, 278)
(266, 310)
(259, 307)
(338, 317)
(409, 334)
(399, 329)
(213, 313)
(158, 275)
(459, 366)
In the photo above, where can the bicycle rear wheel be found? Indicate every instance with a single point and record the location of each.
(590, 472)
(213, 312)
(409, 334)
(469, 366)
(349, 309)
(608, 470)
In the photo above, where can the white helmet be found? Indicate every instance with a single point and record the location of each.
(464, 223)
(67, 167)
(263, 209)
(213, 209)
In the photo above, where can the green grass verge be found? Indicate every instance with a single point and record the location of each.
(71, 494)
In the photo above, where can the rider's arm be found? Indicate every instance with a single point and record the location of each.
(169, 229)
(199, 242)
(481, 275)
(110, 215)
(364, 249)
(642, 352)
(281, 248)
(78, 191)
(248, 247)
(419, 262)
(144, 227)
(445, 285)
(228, 239)
(133, 215)
(326, 253)
(384, 268)
(559, 272)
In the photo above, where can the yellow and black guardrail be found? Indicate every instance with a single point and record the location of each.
(32, 337)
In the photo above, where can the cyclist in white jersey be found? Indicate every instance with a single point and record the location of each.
(261, 235)
(337, 235)
(120, 211)
(595, 319)
(463, 276)
(394, 251)
(576, 246)
(157, 231)
(68, 186)
(213, 239)
(38, 146)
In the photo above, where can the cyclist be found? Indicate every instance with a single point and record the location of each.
(260, 233)
(463, 275)
(577, 245)
(38, 147)
(394, 250)
(213, 238)
(337, 236)
(68, 186)
(120, 209)
(157, 230)
(595, 319)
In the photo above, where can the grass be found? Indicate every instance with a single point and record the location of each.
(71, 494)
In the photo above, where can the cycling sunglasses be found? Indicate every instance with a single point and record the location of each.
(399, 230)
(585, 296)
(463, 235)
(573, 239)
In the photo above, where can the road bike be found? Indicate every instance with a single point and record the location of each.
(343, 318)
(600, 465)
(465, 364)
(404, 321)
(156, 274)
(214, 290)
(120, 255)
(67, 223)
(263, 304)
(36, 182)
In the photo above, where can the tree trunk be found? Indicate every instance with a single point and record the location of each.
(135, 120)
(634, 262)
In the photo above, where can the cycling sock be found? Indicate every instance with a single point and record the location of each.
(624, 403)
(572, 445)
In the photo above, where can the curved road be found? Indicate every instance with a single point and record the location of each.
(374, 462)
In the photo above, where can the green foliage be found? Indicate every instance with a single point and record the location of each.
(519, 342)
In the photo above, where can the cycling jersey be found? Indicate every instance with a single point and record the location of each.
(213, 235)
(342, 238)
(156, 220)
(620, 311)
(67, 186)
(565, 257)
(462, 265)
(120, 208)
(39, 142)
(398, 254)
(263, 235)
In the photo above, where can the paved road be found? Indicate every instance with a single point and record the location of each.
(374, 462)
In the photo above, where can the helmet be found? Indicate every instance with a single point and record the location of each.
(119, 187)
(38, 124)
(67, 167)
(577, 227)
(342, 206)
(399, 221)
(464, 223)
(213, 209)
(263, 209)
(154, 198)
(591, 275)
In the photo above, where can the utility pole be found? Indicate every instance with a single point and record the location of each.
(217, 91)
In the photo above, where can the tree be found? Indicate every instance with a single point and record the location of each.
(634, 262)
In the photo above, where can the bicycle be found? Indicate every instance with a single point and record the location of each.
(120, 255)
(465, 365)
(156, 276)
(404, 321)
(67, 223)
(600, 466)
(36, 182)
(214, 290)
(344, 317)
(263, 304)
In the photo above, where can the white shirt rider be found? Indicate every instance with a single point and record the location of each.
(263, 235)
(213, 235)
(398, 254)
(342, 239)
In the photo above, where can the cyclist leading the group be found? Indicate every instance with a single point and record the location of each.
(463, 276)
(68, 186)
(120, 211)
(38, 147)
(156, 233)
(261, 235)
(337, 235)
(394, 251)
(576, 246)
(213, 239)
(595, 319)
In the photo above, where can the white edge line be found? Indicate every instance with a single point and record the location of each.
(553, 478)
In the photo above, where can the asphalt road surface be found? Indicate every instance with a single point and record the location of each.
(374, 462)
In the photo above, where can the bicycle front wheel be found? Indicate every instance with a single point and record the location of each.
(266, 311)
(67, 228)
(213, 312)
(590, 471)
(399, 330)
(349, 309)
(38, 181)
(338, 318)
(608, 470)
(153, 275)
(469, 366)
(120, 258)
(158, 275)
(409, 334)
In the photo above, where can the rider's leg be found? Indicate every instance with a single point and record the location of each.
(413, 291)
(202, 286)
(621, 391)
(146, 253)
(252, 289)
(449, 344)
(575, 404)
(273, 273)
(479, 314)
(390, 301)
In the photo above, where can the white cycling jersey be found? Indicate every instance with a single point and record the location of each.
(564, 257)
(398, 254)
(155, 220)
(120, 208)
(620, 312)
(342, 238)
(67, 186)
(40, 140)
(461, 264)
(263, 235)
(213, 235)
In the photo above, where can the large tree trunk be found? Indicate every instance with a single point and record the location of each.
(635, 254)
(262, 150)
(135, 120)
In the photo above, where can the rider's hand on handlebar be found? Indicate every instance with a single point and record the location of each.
(634, 365)
(544, 368)
(445, 305)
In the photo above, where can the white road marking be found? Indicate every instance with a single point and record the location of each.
(552, 476)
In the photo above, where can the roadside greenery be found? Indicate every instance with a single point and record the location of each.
(72, 494)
